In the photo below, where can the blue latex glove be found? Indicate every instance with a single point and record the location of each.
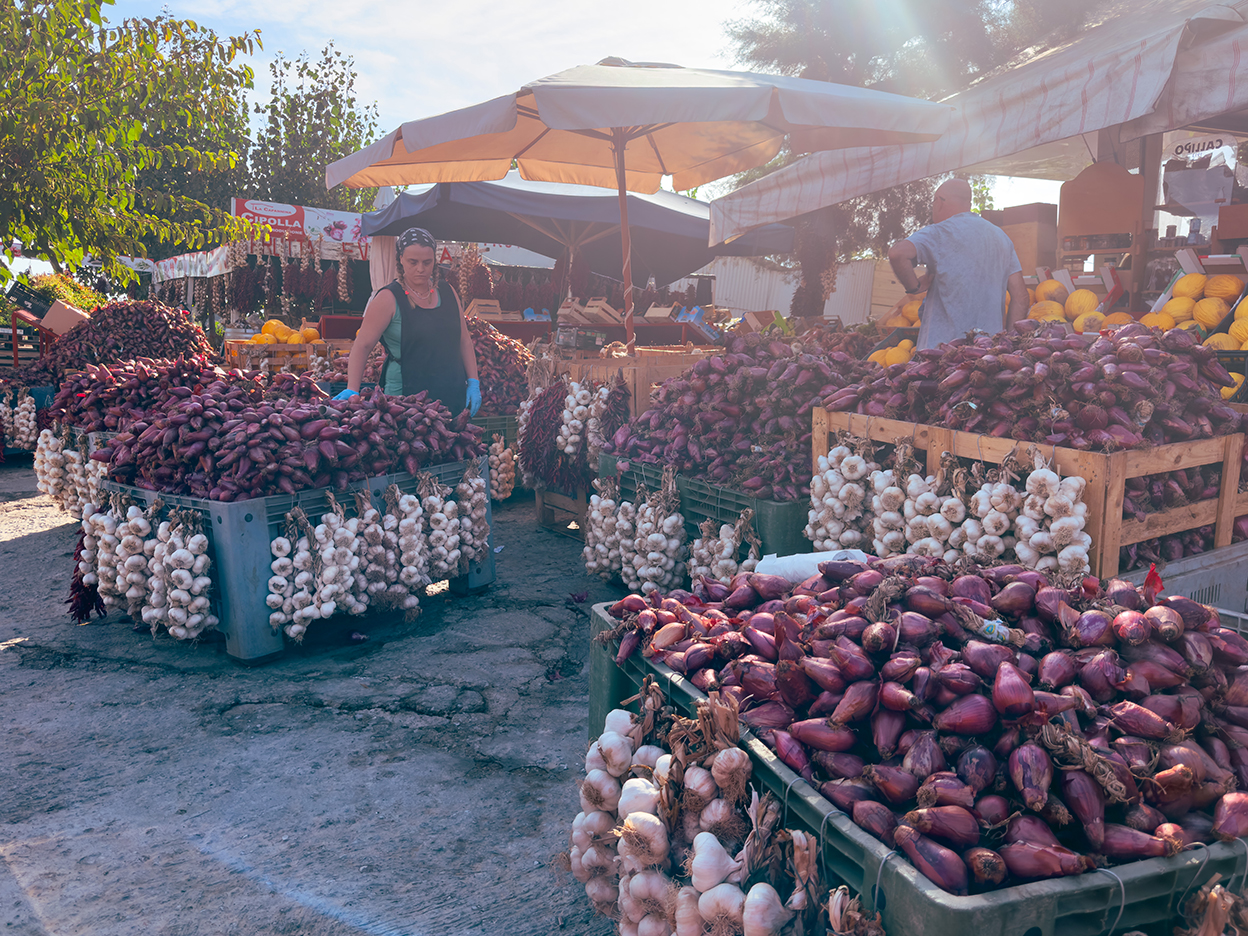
(474, 396)
(347, 394)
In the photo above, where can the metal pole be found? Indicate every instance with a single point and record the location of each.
(625, 240)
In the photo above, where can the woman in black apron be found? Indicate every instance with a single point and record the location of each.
(420, 323)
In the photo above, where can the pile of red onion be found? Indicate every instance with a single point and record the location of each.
(1111, 724)
(118, 332)
(1134, 387)
(830, 337)
(212, 440)
(741, 419)
(502, 366)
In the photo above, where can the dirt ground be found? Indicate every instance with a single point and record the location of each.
(419, 782)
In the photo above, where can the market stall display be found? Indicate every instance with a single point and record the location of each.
(939, 742)
(502, 364)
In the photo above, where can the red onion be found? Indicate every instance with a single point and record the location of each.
(1015, 599)
(1086, 800)
(984, 658)
(1141, 722)
(1031, 772)
(822, 735)
(846, 792)
(944, 788)
(969, 715)
(1123, 842)
(876, 818)
(1057, 669)
(769, 715)
(1033, 829)
(1131, 627)
(858, 703)
(836, 764)
(886, 728)
(951, 824)
(1026, 860)
(924, 757)
(1011, 694)
(977, 768)
(1166, 622)
(958, 678)
(1123, 594)
(896, 784)
(1101, 674)
(986, 866)
(901, 666)
(942, 866)
(971, 586)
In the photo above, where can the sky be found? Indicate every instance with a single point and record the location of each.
(420, 59)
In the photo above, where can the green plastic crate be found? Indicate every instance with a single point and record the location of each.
(779, 523)
(1085, 905)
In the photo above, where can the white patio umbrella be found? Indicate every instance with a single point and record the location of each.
(624, 126)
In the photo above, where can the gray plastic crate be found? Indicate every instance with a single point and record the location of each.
(240, 534)
(779, 523)
(1084, 905)
(1218, 577)
(506, 426)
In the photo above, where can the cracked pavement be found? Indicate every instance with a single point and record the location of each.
(420, 782)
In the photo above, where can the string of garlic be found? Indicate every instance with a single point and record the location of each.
(180, 578)
(92, 532)
(25, 423)
(594, 439)
(575, 412)
(49, 466)
(295, 582)
(6, 414)
(441, 527)
(502, 469)
(600, 529)
(338, 546)
(522, 420)
(474, 527)
(714, 553)
(1049, 526)
(659, 540)
(838, 499)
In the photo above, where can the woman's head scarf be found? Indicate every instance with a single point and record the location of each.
(418, 237)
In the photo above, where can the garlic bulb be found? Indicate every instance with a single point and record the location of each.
(502, 470)
(49, 467)
(601, 553)
(179, 596)
(714, 553)
(594, 440)
(473, 498)
(763, 913)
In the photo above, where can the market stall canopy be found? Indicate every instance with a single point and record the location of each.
(1152, 67)
(669, 230)
(694, 124)
(625, 125)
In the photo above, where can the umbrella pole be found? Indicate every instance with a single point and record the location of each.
(625, 239)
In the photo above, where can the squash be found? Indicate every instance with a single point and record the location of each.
(1191, 286)
(1228, 392)
(1158, 320)
(1241, 310)
(309, 334)
(1239, 331)
(271, 327)
(1221, 341)
(293, 338)
(1179, 309)
(1223, 286)
(1210, 312)
(897, 355)
(1051, 291)
(1089, 322)
(906, 343)
(1080, 302)
(1047, 310)
(910, 311)
(898, 321)
(877, 357)
(1118, 318)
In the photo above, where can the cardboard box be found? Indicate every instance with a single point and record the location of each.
(61, 318)
(658, 313)
(1232, 222)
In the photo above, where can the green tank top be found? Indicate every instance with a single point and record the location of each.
(392, 338)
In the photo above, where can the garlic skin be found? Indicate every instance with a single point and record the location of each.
(763, 913)
(711, 864)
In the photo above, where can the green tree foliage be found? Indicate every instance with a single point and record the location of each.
(83, 107)
(920, 48)
(311, 119)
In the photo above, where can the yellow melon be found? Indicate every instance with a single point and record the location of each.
(1195, 328)
(906, 343)
(1221, 341)
(897, 321)
(1228, 392)
(1118, 318)
(877, 357)
(910, 311)
(271, 327)
(1179, 309)
(1158, 320)
(293, 338)
(1047, 310)
(309, 334)
(1224, 286)
(1191, 286)
(1089, 322)
(1241, 310)
(1051, 290)
(1080, 302)
(896, 356)
(1239, 331)
(1210, 312)
(268, 339)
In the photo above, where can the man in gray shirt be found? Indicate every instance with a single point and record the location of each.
(971, 266)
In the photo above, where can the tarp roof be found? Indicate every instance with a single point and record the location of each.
(1149, 67)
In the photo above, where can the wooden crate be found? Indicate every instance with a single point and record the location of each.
(651, 366)
(248, 356)
(1106, 476)
(557, 512)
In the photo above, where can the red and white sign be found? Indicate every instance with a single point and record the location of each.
(304, 225)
